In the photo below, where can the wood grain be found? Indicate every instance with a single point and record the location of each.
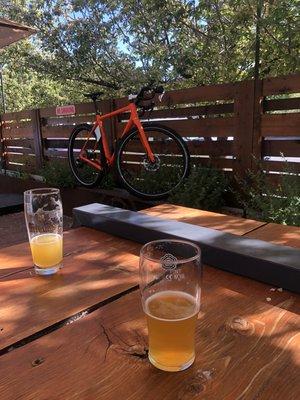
(220, 127)
(96, 267)
(280, 124)
(16, 258)
(226, 223)
(244, 113)
(278, 234)
(245, 350)
(20, 132)
(281, 84)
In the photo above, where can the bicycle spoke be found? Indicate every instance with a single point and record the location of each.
(158, 177)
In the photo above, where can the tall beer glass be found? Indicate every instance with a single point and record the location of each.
(44, 221)
(170, 284)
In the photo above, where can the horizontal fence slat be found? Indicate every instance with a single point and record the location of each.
(22, 132)
(21, 151)
(289, 148)
(16, 116)
(209, 147)
(200, 127)
(80, 108)
(185, 112)
(57, 131)
(27, 143)
(223, 91)
(20, 158)
(280, 124)
(56, 153)
(281, 166)
(215, 162)
(70, 120)
(29, 169)
(282, 104)
(281, 84)
(203, 147)
(218, 162)
(17, 125)
(55, 143)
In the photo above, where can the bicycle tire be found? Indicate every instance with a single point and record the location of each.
(152, 182)
(76, 166)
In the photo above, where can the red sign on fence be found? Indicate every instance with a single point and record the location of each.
(65, 110)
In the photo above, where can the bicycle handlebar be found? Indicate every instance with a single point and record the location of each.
(147, 93)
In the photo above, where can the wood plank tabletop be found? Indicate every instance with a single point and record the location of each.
(245, 349)
(81, 334)
(227, 223)
(18, 258)
(97, 266)
(278, 234)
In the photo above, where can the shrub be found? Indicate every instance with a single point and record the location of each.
(57, 173)
(204, 188)
(270, 202)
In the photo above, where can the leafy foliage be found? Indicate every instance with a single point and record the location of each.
(268, 201)
(119, 44)
(58, 174)
(204, 188)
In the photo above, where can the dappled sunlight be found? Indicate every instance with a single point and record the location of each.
(278, 234)
(226, 223)
(108, 347)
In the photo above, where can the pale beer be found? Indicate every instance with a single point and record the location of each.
(171, 318)
(46, 250)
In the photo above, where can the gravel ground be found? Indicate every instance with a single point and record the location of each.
(13, 228)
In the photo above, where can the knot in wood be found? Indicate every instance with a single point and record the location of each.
(240, 325)
(196, 384)
(37, 361)
(195, 388)
(138, 351)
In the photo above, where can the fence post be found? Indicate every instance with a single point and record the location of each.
(243, 111)
(37, 138)
(257, 142)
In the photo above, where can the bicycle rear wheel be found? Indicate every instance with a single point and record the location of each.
(153, 180)
(84, 173)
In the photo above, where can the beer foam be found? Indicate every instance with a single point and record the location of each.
(171, 305)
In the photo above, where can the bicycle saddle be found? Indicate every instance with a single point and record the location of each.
(94, 96)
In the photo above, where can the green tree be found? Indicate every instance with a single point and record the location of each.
(118, 45)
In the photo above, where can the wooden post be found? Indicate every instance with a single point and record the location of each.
(257, 142)
(37, 138)
(243, 110)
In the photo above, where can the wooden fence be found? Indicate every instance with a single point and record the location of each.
(224, 125)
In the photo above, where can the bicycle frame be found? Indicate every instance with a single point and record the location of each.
(110, 156)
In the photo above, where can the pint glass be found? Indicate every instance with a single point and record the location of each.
(170, 284)
(44, 221)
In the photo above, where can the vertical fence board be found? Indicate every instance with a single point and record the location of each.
(243, 107)
(257, 144)
(37, 138)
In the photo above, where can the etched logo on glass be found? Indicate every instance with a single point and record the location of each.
(168, 262)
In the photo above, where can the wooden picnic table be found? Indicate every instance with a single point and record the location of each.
(81, 334)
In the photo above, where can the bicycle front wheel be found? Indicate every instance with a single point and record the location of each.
(153, 180)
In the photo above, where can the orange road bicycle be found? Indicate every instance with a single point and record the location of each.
(151, 160)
